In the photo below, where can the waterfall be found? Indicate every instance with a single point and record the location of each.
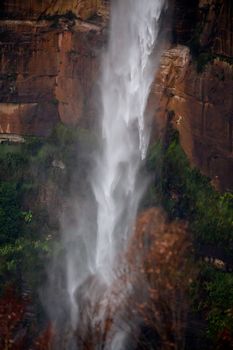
(128, 72)
(106, 219)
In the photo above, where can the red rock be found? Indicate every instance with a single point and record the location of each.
(203, 108)
(53, 69)
(32, 9)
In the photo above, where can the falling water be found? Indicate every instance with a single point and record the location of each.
(128, 72)
(106, 220)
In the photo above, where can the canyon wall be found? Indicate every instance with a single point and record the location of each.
(195, 86)
(37, 9)
(50, 63)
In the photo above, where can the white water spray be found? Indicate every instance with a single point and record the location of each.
(128, 72)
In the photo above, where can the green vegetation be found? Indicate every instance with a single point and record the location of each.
(64, 144)
(214, 299)
(26, 228)
(27, 232)
(10, 215)
(186, 194)
(19, 251)
(23, 260)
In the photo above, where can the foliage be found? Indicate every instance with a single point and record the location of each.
(64, 136)
(186, 193)
(13, 162)
(215, 300)
(20, 260)
(27, 216)
(27, 173)
(67, 144)
(10, 214)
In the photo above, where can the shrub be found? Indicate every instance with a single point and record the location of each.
(215, 300)
(186, 193)
(10, 213)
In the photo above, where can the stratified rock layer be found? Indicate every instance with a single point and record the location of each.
(34, 9)
(207, 24)
(49, 63)
(47, 74)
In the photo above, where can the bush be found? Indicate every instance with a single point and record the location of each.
(13, 162)
(10, 212)
(186, 193)
(215, 300)
(20, 260)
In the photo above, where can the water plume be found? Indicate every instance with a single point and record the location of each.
(94, 246)
(128, 72)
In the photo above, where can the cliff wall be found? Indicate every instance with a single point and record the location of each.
(35, 9)
(50, 62)
(195, 86)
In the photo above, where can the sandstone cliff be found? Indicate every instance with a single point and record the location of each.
(50, 61)
(195, 85)
(34, 9)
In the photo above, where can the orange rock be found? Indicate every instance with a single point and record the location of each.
(47, 74)
(202, 107)
(83, 9)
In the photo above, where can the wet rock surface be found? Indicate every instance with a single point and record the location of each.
(202, 111)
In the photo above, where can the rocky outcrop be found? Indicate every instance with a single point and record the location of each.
(195, 86)
(202, 111)
(34, 9)
(204, 25)
(216, 22)
(48, 72)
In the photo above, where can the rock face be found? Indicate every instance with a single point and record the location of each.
(195, 85)
(34, 9)
(207, 24)
(202, 109)
(50, 62)
(48, 68)
(217, 26)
